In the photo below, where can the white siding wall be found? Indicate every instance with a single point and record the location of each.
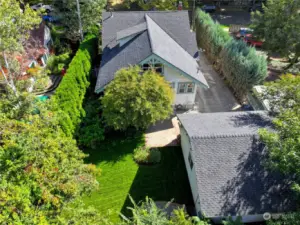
(172, 75)
(186, 146)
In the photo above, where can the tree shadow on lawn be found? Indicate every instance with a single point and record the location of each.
(163, 182)
(115, 147)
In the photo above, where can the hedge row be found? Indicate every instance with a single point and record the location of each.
(69, 96)
(239, 63)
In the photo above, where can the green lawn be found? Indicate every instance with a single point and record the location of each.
(122, 176)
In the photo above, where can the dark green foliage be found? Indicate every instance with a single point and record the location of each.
(41, 169)
(69, 96)
(242, 67)
(57, 62)
(279, 27)
(239, 63)
(91, 131)
(230, 221)
(287, 219)
(284, 145)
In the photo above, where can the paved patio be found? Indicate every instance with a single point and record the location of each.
(163, 133)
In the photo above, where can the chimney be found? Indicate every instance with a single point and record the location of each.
(180, 5)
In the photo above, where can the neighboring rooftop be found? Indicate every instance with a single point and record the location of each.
(229, 161)
(165, 34)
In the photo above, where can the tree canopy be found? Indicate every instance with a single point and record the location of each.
(279, 26)
(284, 144)
(15, 27)
(90, 14)
(41, 169)
(159, 4)
(135, 100)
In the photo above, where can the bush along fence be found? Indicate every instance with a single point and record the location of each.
(69, 96)
(239, 63)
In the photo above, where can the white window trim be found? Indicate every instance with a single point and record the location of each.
(185, 87)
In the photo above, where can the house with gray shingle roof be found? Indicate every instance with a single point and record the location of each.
(152, 39)
(225, 162)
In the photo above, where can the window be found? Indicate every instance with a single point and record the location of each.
(186, 88)
(191, 161)
(157, 67)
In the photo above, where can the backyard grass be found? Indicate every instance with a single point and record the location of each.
(122, 176)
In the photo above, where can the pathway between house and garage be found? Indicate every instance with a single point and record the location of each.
(217, 98)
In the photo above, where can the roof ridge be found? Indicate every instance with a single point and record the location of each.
(211, 136)
(166, 33)
(149, 35)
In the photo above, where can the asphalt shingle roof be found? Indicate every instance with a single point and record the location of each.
(131, 31)
(118, 57)
(229, 164)
(168, 49)
(174, 26)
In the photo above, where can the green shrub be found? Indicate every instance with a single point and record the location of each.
(154, 156)
(141, 154)
(56, 63)
(69, 96)
(145, 155)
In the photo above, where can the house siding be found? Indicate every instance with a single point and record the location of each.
(174, 76)
(186, 148)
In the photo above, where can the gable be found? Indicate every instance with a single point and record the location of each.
(124, 30)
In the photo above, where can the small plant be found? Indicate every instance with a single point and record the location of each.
(145, 155)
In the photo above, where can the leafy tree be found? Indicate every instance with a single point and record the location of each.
(284, 145)
(135, 100)
(279, 26)
(41, 169)
(158, 4)
(90, 14)
(15, 25)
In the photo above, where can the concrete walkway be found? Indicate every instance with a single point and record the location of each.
(163, 133)
(218, 97)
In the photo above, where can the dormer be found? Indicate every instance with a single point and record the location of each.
(128, 34)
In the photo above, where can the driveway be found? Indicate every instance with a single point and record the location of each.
(218, 97)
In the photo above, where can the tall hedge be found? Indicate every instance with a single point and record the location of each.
(210, 35)
(69, 96)
(239, 63)
(242, 67)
